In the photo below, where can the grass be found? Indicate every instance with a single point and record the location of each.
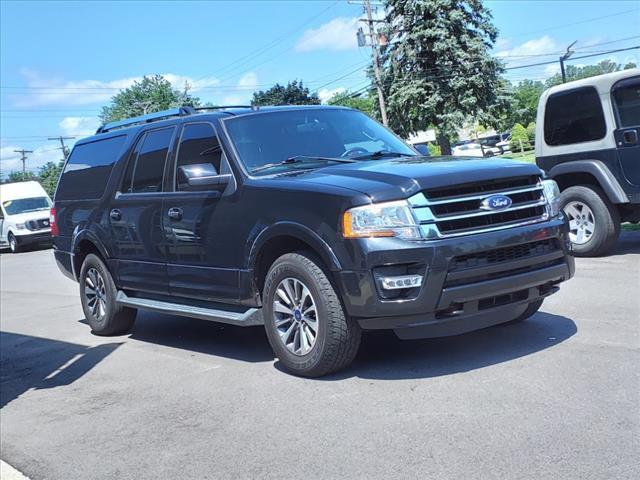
(631, 227)
(529, 157)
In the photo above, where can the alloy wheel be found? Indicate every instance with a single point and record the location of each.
(95, 293)
(581, 222)
(295, 316)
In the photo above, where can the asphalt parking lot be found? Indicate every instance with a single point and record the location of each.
(555, 397)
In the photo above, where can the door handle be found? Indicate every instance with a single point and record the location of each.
(630, 137)
(115, 214)
(175, 213)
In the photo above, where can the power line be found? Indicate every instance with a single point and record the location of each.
(63, 147)
(23, 157)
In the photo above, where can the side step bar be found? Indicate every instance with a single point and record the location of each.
(251, 317)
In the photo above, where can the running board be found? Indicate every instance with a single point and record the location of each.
(251, 317)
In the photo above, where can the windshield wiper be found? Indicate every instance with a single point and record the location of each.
(301, 159)
(380, 154)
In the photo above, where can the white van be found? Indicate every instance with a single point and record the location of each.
(24, 215)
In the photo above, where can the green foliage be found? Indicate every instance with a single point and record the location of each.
(434, 150)
(437, 68)
(21, 177)
(531, 131)
(576, 73)
(149, 95)
(519, 138)
(525, 96)
(295, 93)
(365, 103)
(48, 176)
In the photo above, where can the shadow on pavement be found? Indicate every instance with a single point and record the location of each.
(248, 344)
(383, 356)
(28, 362)
(629, 242)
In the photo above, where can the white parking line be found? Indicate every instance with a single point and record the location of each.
(7, 472)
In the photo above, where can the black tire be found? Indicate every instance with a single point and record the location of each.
(606, 219)
(116, 319)
(14, 246)
(531, 310)
(338, 336)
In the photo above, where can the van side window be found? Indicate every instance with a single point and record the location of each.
(146, 166)
(626, 97)
(87, 171)
(574, 116)
(199, 144)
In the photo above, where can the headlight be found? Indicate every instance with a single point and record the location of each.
(552, 194)
(390, 219)
(20, 226)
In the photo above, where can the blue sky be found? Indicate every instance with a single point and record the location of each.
(61, 61)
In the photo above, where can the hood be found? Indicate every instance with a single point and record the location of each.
(399, 178)
(25, 217)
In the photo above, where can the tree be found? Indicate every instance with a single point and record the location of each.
(295, 93)
(48, 176)
(151, 94)
(519, 138)
(576, 73)
(21, 177)
(365, 102)
(437, 66)
(524, 102)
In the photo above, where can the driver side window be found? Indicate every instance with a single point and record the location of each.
(198, 145)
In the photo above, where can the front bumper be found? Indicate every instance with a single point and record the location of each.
(42, 236)
(470, 282)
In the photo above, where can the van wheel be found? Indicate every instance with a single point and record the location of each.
(531, 310)
(306, 324)
(594, 223)
(98, 296)
(13, 243)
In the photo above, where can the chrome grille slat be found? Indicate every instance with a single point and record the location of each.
(437, 219)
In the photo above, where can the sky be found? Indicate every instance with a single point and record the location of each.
(60, 62)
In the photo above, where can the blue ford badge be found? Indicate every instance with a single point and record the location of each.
(495, 202)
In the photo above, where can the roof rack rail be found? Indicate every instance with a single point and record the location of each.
(222, 107)
(151, 117)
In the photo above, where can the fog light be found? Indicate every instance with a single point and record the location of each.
(401, 281)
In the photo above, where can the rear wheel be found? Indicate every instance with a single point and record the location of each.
(531, 310)
(98, 296)
(594, 223)
(306, 324)
(14, 246)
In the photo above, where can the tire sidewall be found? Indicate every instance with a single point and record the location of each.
(13, 243)
(92, 261)
(605, 219)
(290, 269)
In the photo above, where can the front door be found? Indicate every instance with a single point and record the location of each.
(196, 221)
(135, 216)
(626, 103)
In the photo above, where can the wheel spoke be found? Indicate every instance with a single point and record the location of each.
(103, 308)
(283, 295)
(580, 236)
(573, 225)
(290, 289)
(295, 316)
(287, 334)
(304, 341)
(281, 308)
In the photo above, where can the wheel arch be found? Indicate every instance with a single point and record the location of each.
(281, 238)
(85, 243)
(589, 172)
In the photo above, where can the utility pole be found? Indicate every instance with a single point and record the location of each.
(23, 154)
(373, 38)
(564, 58)
(63, 147)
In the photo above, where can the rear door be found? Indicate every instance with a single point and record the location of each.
(135, 215)
(196, 222)
(625, 96)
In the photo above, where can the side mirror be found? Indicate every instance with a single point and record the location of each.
(201, 176)
(422, 149)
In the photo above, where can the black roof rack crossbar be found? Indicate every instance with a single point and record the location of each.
(222, 107)
(151, 117)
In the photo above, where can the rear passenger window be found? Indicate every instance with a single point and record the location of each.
(87, 171)
(626, 97)
(574, 116)
(199, 144)
(146, 166)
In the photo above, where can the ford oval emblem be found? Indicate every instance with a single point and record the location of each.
(495, 202)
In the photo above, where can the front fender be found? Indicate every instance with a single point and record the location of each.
(296, 230)
(599, 171)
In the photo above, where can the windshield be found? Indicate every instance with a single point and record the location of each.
(274, 137)
(24, 205)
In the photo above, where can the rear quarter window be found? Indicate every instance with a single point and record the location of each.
(88, 169)
(574, 116)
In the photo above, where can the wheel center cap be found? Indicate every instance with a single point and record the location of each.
(297, 314)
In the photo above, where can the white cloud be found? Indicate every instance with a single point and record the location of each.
(79, 126)
(326, 93)
(46, 91)
(337, 34)
(248, 80)
(243, 92)
(10, 161)
(524, 51)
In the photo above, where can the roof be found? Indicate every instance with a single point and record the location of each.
(602, 83)
(12, 191)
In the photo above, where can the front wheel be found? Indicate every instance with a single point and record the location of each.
(594, 223)
(306, 324)
(14, 246)
(98, 296)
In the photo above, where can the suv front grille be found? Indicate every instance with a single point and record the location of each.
(506, 254)
(458, 210)
(37, 224)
